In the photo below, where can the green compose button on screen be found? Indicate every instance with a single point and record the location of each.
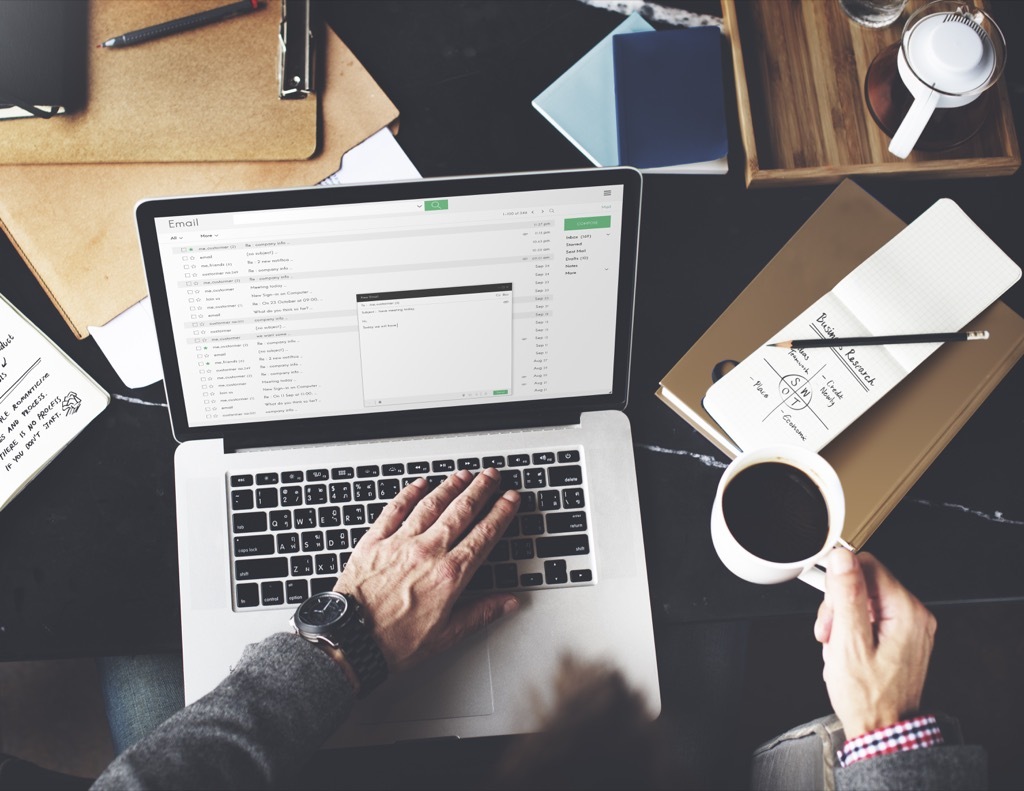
(586, 223)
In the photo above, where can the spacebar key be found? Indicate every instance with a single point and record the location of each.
(261, 569)
(560, 546)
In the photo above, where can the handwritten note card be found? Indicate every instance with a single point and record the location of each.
(934, 276)
(45, 401)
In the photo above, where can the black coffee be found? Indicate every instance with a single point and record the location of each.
(776, 512)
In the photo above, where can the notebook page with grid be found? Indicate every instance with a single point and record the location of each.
(934, 276)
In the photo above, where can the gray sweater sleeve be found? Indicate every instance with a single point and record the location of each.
(949, 766)
(279, 704)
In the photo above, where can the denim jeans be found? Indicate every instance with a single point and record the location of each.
(139, 693)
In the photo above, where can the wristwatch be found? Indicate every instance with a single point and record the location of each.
(337, 619)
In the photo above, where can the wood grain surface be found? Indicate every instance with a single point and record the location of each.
(800, 67)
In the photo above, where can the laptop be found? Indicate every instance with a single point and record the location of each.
(322, 347)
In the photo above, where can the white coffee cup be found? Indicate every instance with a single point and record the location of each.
(950, 53)
(746, 565)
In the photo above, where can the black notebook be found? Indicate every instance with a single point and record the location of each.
(42, 57)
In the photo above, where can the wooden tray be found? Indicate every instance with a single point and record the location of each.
(800, 68)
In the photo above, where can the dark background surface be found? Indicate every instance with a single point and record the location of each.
(88, 553)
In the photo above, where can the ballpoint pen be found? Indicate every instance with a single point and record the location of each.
(185, 23)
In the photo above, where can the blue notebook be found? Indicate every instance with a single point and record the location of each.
(669, 100)
(581, 103)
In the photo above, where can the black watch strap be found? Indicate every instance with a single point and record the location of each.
(362, 652)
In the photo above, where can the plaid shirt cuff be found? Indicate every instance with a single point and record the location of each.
(912, 734)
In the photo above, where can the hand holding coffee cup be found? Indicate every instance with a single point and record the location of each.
(778, 511)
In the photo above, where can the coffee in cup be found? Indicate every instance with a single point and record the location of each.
(778, 511)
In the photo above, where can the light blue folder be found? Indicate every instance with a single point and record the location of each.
(581, 103)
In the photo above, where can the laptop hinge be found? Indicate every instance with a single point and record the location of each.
(398, 429)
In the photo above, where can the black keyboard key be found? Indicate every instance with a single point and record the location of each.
(291, 496)
(393, 469)
(252, 522)
(304, 518)
(353, 515)
(317, 475)
(364, 490)
(482, 580)
(518, 459)
(343, 560)
(253, 545)
(373, 510)
(419, 467)
(337, 539)
(261, 568)
(572, 498)
(522, 549)
(272, 593)
(500, 553)
(534, 478)
(302, 566)
(530, 580)
(266, 478)
(527, 502)
(555, 572)
(327, 564)
(266, 498)
(247, 595)
(313, 541)
(296, 591)
(513, 528)
(341, 473)
(549, 500)
(568, 456)
(494, 461)
(544, 458)
(368, 471)
(565, 476)
(316, 494)
(436, 480)
(280, 520)
(581, 575)
(562, 546)
(241, 480)
(511, 479)
(358, 533)
(443, 465)
(468, 464)
(567, 522)
(287, 543)
(407, 481)
(532, 524)
(506, 575)
(340, 492)
(241, 500)
(322, 584)
(388, 488)
(329, 516)
(292, 476)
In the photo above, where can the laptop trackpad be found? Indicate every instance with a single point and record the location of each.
(455, 684)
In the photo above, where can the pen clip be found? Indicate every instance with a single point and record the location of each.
(297, 49)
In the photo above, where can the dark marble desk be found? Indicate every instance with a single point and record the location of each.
(88, 553)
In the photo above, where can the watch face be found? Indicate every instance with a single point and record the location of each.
(323, 609)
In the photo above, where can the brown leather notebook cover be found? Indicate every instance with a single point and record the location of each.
(204, 95)
(74, 225)
(881, 455)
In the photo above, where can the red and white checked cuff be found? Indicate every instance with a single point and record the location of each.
(912, 734)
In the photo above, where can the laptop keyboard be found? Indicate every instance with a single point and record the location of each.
(293, 531)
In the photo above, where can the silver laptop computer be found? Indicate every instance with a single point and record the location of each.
(324, 346)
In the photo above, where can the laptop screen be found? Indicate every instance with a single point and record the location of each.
(360, 302)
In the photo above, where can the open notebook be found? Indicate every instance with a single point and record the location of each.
(934, 276)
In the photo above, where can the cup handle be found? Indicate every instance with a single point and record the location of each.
(913, 125)
(814, 577)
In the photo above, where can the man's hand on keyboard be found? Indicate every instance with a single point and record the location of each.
(409, 570)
